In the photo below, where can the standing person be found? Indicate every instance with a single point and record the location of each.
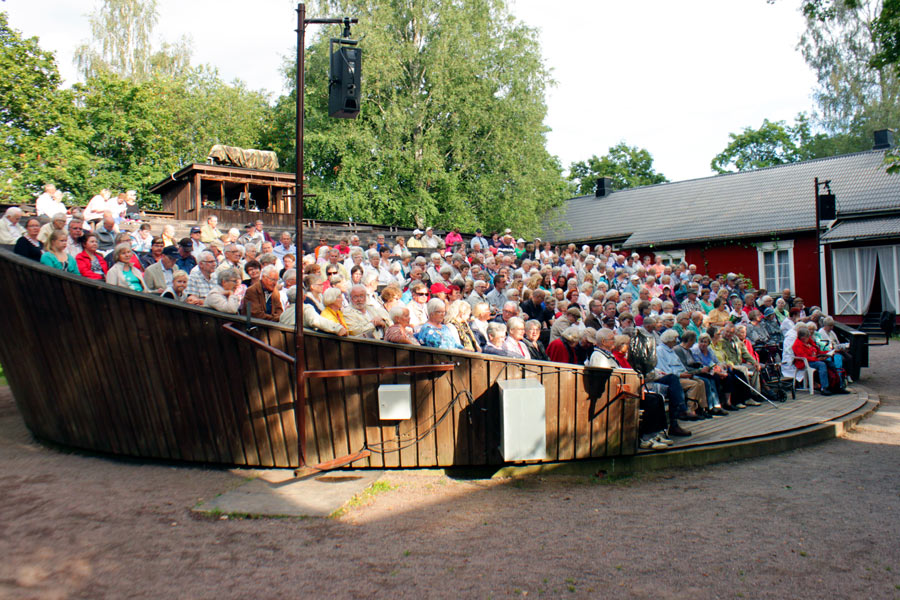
(46, 204)
(28, 245)
(94, 210)
(56, 255)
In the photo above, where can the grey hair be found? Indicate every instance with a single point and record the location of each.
(292, 294)
(369, 277)
(433, 305)
(330, 295)
(532, 324)
(120, 249)
(670, 335)
(571, 334)
(13, 211)
(289, 274)
(495, 329)
(229, 275)
(704, 337)
(828, 322)
(231, 247)
(603, 335)
(515, 322)
(268, 269)
(267, 259)
(398, 311)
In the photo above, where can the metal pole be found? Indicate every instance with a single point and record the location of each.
(299, 379)
(818, 248)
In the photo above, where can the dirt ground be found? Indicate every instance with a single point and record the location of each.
(819, 522)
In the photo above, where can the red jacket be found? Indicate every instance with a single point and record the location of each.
(804, 350)
(84, 266)
(559, 351)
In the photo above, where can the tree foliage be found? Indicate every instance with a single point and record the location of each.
(451, 130)
(122, 43)
(857, 93)
(628, 166)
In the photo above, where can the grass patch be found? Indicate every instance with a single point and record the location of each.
(364, 497)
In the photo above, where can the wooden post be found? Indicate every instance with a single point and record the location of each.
(246, 196)
(299, 379)
(197, 196)
(222, 192)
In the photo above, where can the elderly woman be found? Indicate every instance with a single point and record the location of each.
(563, 348)
(225, 297)
(496, 340)
(514, 343)
(532, 340)
(457, 317)
(400, 332)
(178, 289)
(28, 245)
(333, 299)
(434, 333)
(123, 273)
(481, 314)
(90, 263)
(56, 255)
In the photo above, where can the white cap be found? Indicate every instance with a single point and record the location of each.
(508, 230)
(417, 231)
(520, 241)
(429, 229)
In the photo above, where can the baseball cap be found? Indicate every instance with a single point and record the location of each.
(768, 311)
(170, 251)
(507, 230)
(195, 229)
(417, 231)
(186, 243)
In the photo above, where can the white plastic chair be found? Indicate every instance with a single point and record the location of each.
(789, 371)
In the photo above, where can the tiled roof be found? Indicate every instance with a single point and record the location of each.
(753, 203)
(862, 229)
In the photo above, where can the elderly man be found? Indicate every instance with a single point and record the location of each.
(186, 260)
(285, 246)
(197, 246)
(416, 242)
(361, 320)
(263, 296)
(333, 262)
(479, 289)
(738, 357)
(10, 230)
(829, 342)
(57, 223)
(232, 261)
(210, 231)
(93, 212)
(251, 235)
(571, 318)
(478, 242)
(400, 332)
(158, 276)
(497, 296)
(200, 281)
(510, 310)
(46, 204)
(430, 240)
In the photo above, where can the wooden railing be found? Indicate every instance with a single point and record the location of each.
(111, 370)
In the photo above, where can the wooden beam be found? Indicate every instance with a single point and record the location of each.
(250, 180)
(196, 191)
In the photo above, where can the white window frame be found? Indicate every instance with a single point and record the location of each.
(675, 257)
(761, 250)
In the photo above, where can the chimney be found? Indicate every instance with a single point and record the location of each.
(604, 187)
(884, 139)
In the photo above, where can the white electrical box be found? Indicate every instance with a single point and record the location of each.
(395, 402)
(523, 435)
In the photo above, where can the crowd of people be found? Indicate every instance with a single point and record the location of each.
(491, 294)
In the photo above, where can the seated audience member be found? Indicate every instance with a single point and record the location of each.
(142, 239)
(620, 350)
(312, 319)
(514, 342)
(417, 311)
(333, 299)
(741, 332)
(481, 316)
(90, 263)
(210, 232)
(585, 346)
(700, 372)
(535, 308)
(56, 255)
(122, 272)
(719, 315)
(562, 349)
(200, 281)
(803, 347)
(263, 296)
(155, 253)
(10, 230)
(668, 364)
(400, 332)
(496, 340)
(186, 260)
(832, 343)
(602, 356)
(106, 232)
(252, 268)
(158, 276)
(28, 245)
(532, 340)
(225, 297)
(56, 223)
(457, 317)
(178, 289)
(571, 317)
(434, 333)
(362, 321)
(738, 358)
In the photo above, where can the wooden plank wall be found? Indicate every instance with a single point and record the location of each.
(106, 369)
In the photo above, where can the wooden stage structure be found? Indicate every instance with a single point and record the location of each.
(106, 369)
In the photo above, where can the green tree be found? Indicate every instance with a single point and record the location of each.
(857, 93)
(121, 43)
(43, 134)
(451, 130)
(628, 166)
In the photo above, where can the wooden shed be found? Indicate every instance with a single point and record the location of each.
(234, 194)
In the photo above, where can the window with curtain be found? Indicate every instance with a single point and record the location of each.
(854, 279)
(776, 266)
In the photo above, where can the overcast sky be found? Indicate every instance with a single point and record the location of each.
(672, 77)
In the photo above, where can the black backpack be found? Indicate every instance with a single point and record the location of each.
(642, 352)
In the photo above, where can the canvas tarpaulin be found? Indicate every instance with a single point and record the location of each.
(265, 160)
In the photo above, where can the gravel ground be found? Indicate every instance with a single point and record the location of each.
(818, 522)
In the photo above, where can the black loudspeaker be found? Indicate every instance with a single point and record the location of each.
(827, 207)
(344, 92)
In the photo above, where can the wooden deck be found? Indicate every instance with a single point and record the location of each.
(758, 421)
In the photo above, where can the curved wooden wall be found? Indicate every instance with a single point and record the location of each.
(107, 369)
